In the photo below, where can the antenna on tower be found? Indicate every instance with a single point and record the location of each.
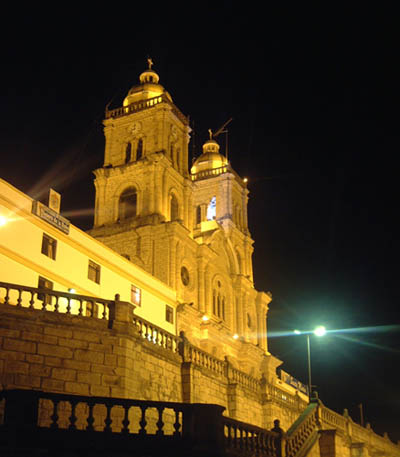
(193, 140)
(223, 129)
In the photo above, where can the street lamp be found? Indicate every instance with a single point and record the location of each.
(318, 331)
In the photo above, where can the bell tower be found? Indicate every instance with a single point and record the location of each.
(145, 161)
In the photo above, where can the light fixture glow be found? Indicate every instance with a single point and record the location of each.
(3, 220)
(297, 332)
(205, 318)
(245, 180)
(320, 330)
(71, 290)
(235, 336)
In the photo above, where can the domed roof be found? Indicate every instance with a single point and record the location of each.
(210, 159)
(148, 87)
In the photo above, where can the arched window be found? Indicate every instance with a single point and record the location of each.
(139, 149)
(174, 208)
(178, 159)
(128, 153)
(218, 301)
(127, 204)
(198, 215)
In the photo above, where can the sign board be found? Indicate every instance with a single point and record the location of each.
(51, 216)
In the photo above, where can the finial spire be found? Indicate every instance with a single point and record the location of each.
(210, 133)
(150, 62)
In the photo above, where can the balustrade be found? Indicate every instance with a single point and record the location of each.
(303, 431)
(249, 439)
(144, 104)
(156, 335)
(54, 301)
(41, 420)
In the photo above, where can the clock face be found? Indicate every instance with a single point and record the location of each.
(185, 276)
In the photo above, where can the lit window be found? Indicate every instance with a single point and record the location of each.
(49, 246)
(44, 283)
(136, 295)
(94, 272)
(212, 209)
(169, 314)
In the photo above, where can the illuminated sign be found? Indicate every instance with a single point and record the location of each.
(50, 216)
(288, 379)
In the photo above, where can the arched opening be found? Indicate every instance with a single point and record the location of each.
(128, 153)
(218, 300)
(174, 208)
(139, 149)
(127, 207)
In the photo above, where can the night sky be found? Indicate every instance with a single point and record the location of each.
(314, 96)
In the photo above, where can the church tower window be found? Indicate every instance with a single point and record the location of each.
(139, 149)
(212, 209)
(128, 153)
(218, 301)
(127, 204)
(174, 208)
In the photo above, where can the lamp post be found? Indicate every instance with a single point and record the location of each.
(318, 331)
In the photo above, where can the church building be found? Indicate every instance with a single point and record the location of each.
(187, 227)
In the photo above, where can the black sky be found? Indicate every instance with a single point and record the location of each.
(314, 95)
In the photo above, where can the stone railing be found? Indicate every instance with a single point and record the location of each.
(278, 395)
(304, 432)
(208, 173)
(54, 301)
(357, 433)
(53, 423)
(244, 379)
(144, 104)
(242, 438)
(156, 335)
(205, 360)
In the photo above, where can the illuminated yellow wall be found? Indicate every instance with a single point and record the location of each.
(22, 261)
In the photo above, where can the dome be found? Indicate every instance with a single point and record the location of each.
(210, 159)
(148, 87)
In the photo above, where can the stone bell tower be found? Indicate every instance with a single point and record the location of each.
(144, 181)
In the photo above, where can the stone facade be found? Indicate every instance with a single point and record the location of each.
(153, 210)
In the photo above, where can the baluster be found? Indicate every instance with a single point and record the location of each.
(143, 422)
(7, 296)
(80, 310)
(19, 299)
(69, 306)
(90, 419)
(125, 422)
(54, 416)
(108, 420)
(72, 417)
(160, 423)
(104, 317)
(56, 305)
(31, 301)
(177, 424)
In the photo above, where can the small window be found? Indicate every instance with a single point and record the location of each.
(212, 209)
(136, 295)
(169, 314)
(94, 272)
(49, 246)
(44, 283)
(128, 153)
(139, 149)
